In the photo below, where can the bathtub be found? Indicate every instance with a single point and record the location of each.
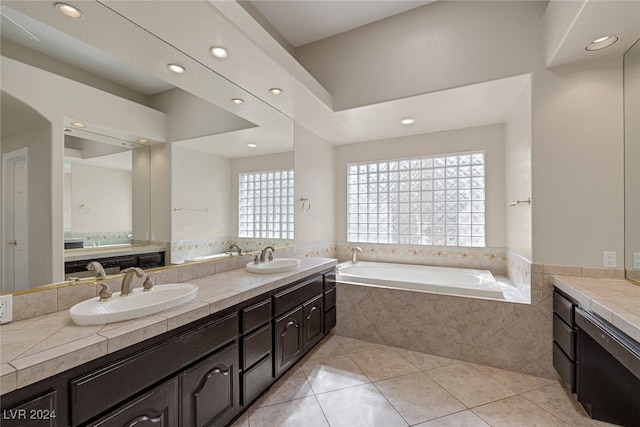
(420, 278)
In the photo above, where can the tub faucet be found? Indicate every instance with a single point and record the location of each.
(264, 252)
(354, 254)
(97, 267)
(238, 248)
(127, 280)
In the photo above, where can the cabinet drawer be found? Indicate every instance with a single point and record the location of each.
(329, 320)
(256, 380)
(157, 407)
(565, 367)
(297, 294)
(37, 412)
(565, 337)
(329, 299)
(563, 307)
(255, 315)
(104, 388)
(256, 345)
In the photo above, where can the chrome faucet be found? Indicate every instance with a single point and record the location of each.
(238, 248)
(264, 252)
(97, 267)
(127, 280)
(354, 254)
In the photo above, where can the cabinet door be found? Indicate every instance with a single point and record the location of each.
(210, 394)
(313, 313)
(288, 339)
(37, 412)
(157, 408)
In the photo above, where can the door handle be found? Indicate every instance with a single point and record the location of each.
(13, 242)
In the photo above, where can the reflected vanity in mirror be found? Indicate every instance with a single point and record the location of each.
(111, 74)
(631, 161)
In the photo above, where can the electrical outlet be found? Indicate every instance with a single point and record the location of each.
(636, 260)
(608, 259)
(6, 308)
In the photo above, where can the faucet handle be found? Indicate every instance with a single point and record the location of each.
(256, 260)
(149, 282)
(105, 292)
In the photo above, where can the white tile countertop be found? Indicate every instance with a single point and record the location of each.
(614, 300)
(37, 348)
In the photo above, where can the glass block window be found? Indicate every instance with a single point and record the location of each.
(266, 205)
(434, 200)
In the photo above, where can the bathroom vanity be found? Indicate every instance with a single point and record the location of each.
(204, 372)
(596, 349)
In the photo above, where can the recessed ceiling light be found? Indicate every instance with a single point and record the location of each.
(219, 52)
(178, 69)
(142, 141)
(79, 125)
(276, 91)
(601, 43)
(128, 144)
(408, 121)
(252, 145)
(237, 101)
(70, 11)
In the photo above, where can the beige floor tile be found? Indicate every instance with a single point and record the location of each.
(360, 406)
(243, 421)
(517, 411)
(460, 419)
(519, 383)
(425, 362)
(352, 345)
(382, 364)
(327, 347)
(300, 412)
(558, 401)
(470, 385)
(333, 373)
(292, 385)
(418, 398)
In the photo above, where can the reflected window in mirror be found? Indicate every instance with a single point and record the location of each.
(265, 205)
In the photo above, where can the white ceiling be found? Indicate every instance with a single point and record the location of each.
(302, 22)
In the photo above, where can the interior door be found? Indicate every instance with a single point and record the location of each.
(15, 214)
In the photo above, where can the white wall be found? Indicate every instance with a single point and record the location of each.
(199, 181)
(100, 190)
(441, 45)
(488, 138)
(315, 179)
(577, 158)
(518, 140)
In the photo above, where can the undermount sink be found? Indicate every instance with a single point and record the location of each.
(278, 265)
(139, 303)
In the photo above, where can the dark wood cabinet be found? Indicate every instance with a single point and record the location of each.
(40, 411)
(209, 390)
(313, 318)
(564, 338)
(201, 374)
(288, 340)
(157, 408)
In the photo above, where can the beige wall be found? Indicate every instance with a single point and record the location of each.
(488, 138)
(315, 179)
(442, 45)
(577, 157)
(518, 175)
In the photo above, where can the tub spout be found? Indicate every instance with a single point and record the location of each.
(97, 267)
(354, 254)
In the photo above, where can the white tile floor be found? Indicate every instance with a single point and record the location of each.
(351, 383)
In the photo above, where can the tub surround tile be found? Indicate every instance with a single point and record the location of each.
(38, 347)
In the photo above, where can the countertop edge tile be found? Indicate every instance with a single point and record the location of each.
(8, 378)
(36, 367)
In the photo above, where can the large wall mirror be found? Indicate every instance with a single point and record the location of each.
(632, 160)
(103, 147)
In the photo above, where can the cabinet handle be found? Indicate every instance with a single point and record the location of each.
(288, 325)
(216, 371)
(314, 308)
(146, 418)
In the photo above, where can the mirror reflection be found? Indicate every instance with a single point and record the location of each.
(182, 205)
(632, 160)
